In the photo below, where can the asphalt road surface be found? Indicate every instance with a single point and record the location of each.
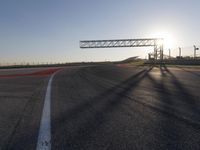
(105, 107)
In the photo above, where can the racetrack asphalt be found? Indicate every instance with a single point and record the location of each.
(104, 107)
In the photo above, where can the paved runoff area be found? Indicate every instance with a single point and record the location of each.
(101, 107)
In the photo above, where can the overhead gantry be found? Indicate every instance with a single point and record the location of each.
(157, 43)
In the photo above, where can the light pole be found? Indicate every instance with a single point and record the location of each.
(195, 49)
(169, 53)
(179, 52)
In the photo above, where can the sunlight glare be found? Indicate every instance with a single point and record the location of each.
(168, 38)
(160, 42)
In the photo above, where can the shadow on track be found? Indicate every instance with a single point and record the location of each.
(194, 73)
(80, 122)
(165, 127)
(91, 114)
(178, 92)
(168, 131)
(182, 92)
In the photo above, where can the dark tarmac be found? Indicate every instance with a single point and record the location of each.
(105, 107)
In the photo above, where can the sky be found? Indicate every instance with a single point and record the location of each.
(41, 31)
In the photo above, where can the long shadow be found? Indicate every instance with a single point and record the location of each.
(92, 113)
(125, 85)
(194, 73)
(100, 106)
(160, 87)
(178, 93)
(169, 132)
(183, 93)
(95, 71)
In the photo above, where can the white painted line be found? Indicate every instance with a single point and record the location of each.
(44, 137)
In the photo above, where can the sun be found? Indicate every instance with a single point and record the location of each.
(160, 42)
(168, 38)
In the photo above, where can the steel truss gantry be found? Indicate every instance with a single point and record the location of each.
(157, 43)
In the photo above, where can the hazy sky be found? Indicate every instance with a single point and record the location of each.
(50, 30)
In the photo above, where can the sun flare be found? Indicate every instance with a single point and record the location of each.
(168, 38)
